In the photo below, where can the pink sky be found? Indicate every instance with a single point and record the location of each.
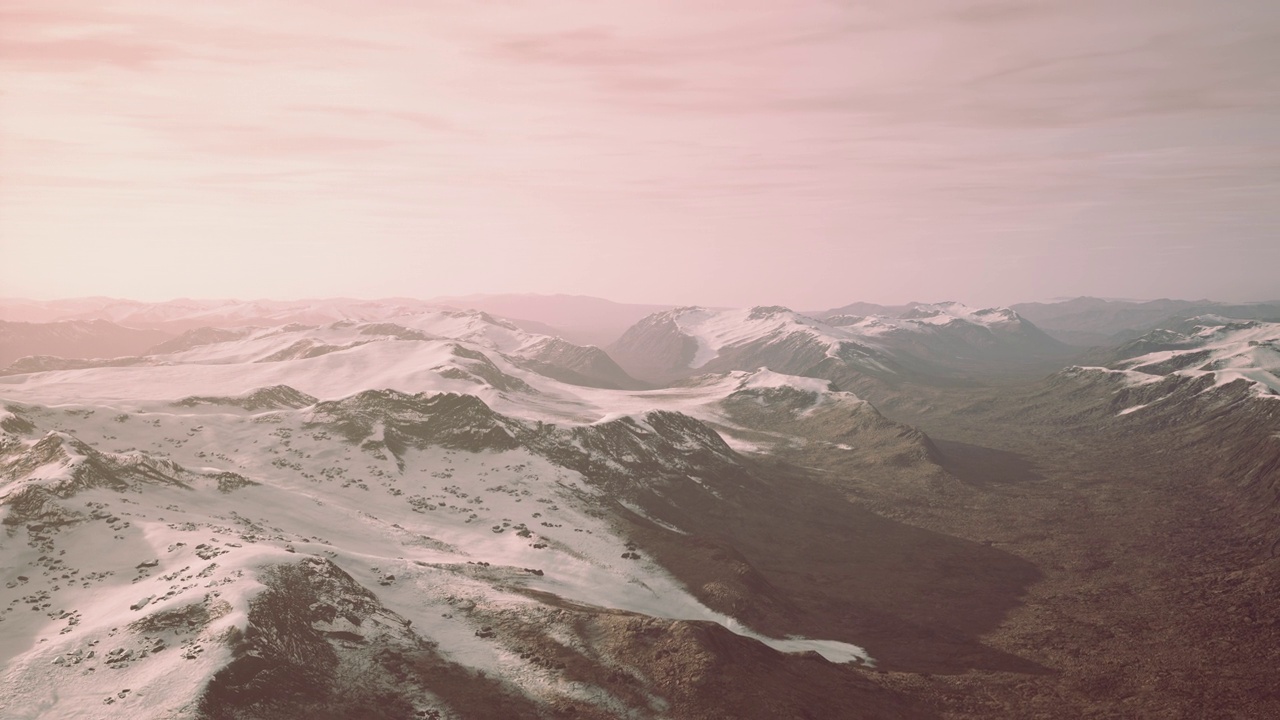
(731, 153)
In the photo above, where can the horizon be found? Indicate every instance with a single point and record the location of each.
(445, 300)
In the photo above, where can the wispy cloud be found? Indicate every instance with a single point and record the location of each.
(425, 120)
(664, 129)
(76, 37)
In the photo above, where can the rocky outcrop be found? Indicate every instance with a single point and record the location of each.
(275, 397)
(623, 454)
(317, 644)
(654, 348)
(587, 366)
(196, 337)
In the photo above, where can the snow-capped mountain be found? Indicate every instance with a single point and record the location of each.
(1207, 352)
(404, 512)
(581, 320)
(171, 564)
(952, 336)
(214, 346)
(1087, 321)
(1208, 386)
(530, 377)
(73, 338)
(184, 314)
(690, 340)
(940, 340)
(422, 515)
(1226, 348)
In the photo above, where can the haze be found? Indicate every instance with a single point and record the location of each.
(723, 153)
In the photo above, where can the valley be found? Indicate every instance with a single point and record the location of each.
(410, 512)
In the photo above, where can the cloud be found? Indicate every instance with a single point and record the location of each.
(263, 142)
(662, 128)
(74, 55)
(423, 120)
(76, 37)
(582, 46)
(997, 65)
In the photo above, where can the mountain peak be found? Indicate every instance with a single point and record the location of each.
(763, 311)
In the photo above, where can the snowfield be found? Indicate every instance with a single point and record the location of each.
(1215, 350)
(945, 337)
(143, 504)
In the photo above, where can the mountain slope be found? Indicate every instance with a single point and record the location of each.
(1089, 321)
(579, 319)
(73, 339)
(417, 551)
(416, 515)
(547, 356)
(940, 342)
(1209, 384)
(685, 341)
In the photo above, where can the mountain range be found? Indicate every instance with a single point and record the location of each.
(405, 509)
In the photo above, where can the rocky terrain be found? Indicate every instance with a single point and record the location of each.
(437, 514)
(941, 343)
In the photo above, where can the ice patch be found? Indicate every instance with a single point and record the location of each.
(765, 378)
(833, 650)
(640, 511)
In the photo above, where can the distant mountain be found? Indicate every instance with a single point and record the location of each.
(1089, 321)
(578, 318)
(691, 340)
(949, 337)
(177, 316)
(1208, 386)
(865, 308)
(549, 356)
(946, 340)
(73, 339)
(424, 517)
(1225, 350)
(42, 311)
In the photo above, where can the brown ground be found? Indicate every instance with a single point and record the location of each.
(1052, 572)
(1154, 601)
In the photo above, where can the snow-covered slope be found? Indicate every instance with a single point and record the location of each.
(580, 319)
(202, 321)
(478, 331)
(342, 360)
(688, 340)
(925, 339)
(920, 315)
(1089, 321)
(1208, 348)
(1227, 349)
(1209, 386)
(139, 541)
(184, 314)
(333, 504)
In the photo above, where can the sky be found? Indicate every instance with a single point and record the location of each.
(810, 153)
